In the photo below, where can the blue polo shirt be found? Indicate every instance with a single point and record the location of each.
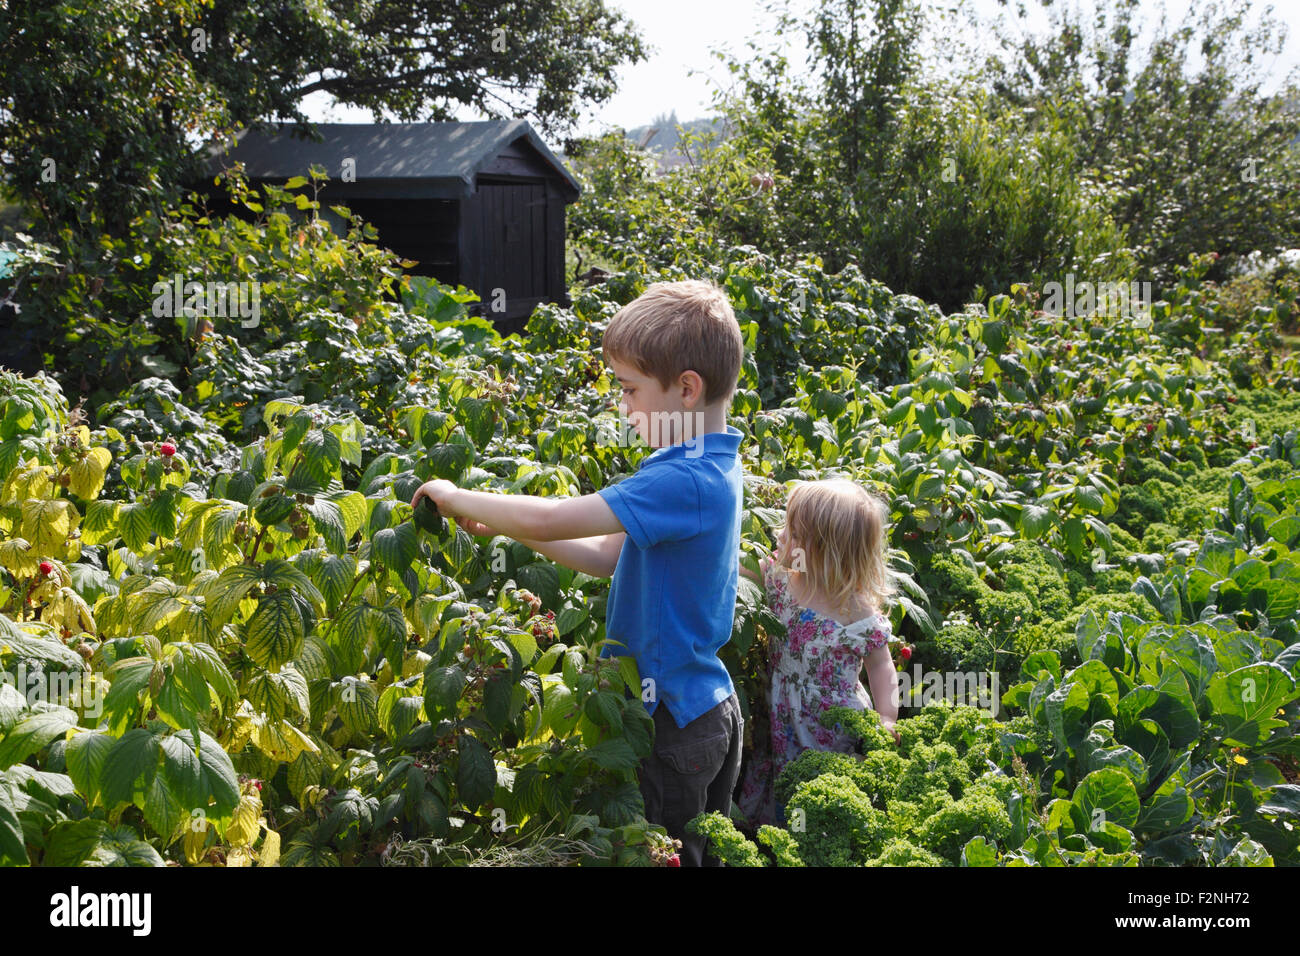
(672, 600)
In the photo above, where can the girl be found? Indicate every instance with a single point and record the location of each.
(828, 583)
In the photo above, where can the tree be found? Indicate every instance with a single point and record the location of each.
(1192, 162)
(102, 107)
(923, 182)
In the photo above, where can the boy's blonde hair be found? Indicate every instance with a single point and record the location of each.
(842, 528)
(673, 327)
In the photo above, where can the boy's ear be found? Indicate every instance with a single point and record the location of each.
(692, 386)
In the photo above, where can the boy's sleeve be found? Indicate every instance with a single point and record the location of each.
(656, 504)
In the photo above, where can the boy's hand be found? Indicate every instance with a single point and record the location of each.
(439, 491)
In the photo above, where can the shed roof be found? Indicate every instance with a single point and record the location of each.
(449, 154)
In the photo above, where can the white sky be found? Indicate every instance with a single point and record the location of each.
(681, 74)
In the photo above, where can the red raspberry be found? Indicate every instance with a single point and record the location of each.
(905, 652)
(674, 860)
(47, 568)
(168, 449)
(257, 784)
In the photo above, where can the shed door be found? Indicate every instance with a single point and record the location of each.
(512, 227)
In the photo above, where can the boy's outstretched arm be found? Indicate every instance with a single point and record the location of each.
(580, 533)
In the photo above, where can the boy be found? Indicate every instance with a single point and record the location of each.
(668, 535)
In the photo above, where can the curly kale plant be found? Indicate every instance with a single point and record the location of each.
(915, 804)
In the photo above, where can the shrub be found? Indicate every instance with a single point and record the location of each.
(900, 852)
(840, 827)
(726, 843)
(1028, 572)
(979, 813)
(783, 846)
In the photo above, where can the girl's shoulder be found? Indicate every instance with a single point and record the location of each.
(875, 627)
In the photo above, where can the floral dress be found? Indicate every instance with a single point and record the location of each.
(813, 669)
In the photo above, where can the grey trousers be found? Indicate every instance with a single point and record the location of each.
(692, 770)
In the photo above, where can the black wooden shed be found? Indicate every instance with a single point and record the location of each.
(475, 204)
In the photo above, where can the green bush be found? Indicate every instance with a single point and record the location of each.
(900, 852)
(837, 825)
(1028, 572)
(726, 843)
(981, 812)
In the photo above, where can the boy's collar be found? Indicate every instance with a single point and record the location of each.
(708, 443)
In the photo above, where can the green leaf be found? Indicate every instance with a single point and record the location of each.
(476, 775)
(479, 418)
(1185, 647)
(1282, 800)
(133, 524)
(497, 693)
(395, 548)
(320, 459)
(13, 850)
(121, 846)
(274, 634)
(442, 690)
(358, 705)
(612, 754)
(570, 617)
(130, 766)
(85, 755)
(978, 852)
(72, 842)
(327, 517)
(450, 460)
(542, 578)
(1035, 521)
(334, 577)
(605, 709)
(34, 732)
(1245, 701)
(1107, 795)
(399, 710)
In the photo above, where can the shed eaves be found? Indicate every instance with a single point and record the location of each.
(440, 152)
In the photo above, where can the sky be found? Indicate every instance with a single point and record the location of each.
(682, 75)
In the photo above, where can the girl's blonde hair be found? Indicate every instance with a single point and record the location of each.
(841, 528)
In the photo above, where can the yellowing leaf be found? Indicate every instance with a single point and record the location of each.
(87, 475)
(269, 855)
(47, 524)
(194, 842)
(244, 826)
(17, 557)
(66, 608)
(28, 480)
